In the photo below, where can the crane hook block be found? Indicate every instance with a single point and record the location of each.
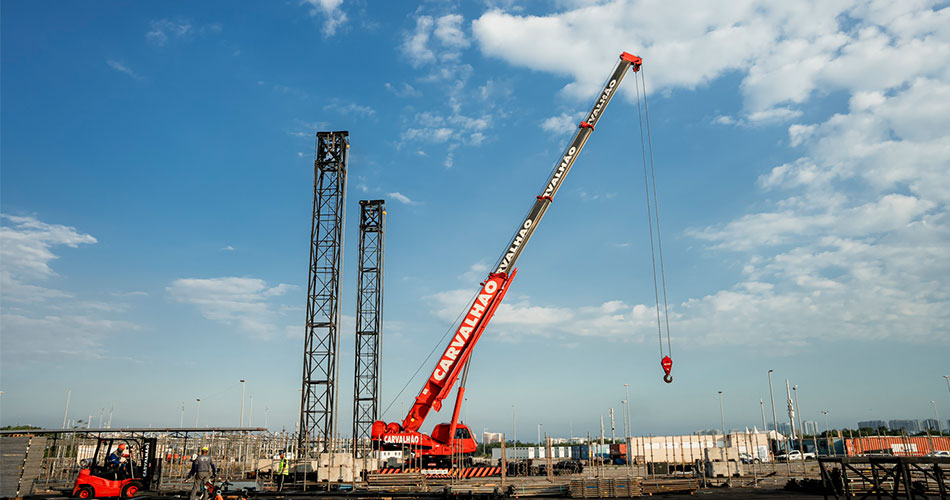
(667, 364)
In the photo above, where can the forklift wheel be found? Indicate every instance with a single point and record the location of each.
(85, 492)
(131, 489)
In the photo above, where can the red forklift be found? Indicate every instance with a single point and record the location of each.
(140, 472)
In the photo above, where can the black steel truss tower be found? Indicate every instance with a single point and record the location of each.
(319, 389)
(369, 320)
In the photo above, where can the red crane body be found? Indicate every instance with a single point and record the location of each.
(454, 437)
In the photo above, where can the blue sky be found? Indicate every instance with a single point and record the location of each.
(156, 190)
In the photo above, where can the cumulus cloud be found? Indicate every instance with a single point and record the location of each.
(784, 50)
(244, 303)
(435, 39)
(34, 326)
(851, 236)
(518, 317)
(331, 11)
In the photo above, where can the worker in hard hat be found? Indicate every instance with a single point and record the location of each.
(283, 469)
(115, 458)
(202, 469)
(118, 461)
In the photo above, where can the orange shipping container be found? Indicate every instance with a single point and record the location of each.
(893, 445)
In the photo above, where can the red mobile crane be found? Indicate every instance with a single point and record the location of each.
(455, 437)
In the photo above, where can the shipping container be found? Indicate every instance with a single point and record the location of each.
(894, 445)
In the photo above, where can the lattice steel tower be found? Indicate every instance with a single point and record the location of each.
(369, 320)
(319, 391)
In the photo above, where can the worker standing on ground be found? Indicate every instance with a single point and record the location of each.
(282, 471)
(203, 469)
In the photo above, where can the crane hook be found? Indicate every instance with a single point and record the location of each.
(667, 364)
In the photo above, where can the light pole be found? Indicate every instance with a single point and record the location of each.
(827, 431)
(626, 431)
(722, 421)
(69, 393)
(250, 413)
(197, 410)
(181, 420)
(514, 427)
(243, 385)
(539, 434)
(626, 390)
(266, 413)
(762, 408)
(947, 378)
(772, 398)
(937, 416)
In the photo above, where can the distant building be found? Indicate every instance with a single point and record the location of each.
(491, 437)
(910, 426)
(810, 427)
(929, 424)
(872, 424)
(557, 441)
(785, 428)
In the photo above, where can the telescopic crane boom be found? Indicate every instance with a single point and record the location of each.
(454, 437)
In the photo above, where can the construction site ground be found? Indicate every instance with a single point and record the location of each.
(767, 482)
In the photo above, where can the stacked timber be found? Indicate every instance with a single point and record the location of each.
(606, 488)
(659, 486)
(539, 489)
(397, 483)
(21, 461)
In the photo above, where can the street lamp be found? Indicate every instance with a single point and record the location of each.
(243, 385)
(937, 416)
(626, 431)
(626, 390)
(828, 432)
(197, 410)
(762, 408)
(772, 398)
(539, 434)
(722, 421)
(514, 427)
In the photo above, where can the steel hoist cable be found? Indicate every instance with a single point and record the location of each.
(653, 217)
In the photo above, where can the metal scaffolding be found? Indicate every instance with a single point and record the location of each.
(369, 320)
(320, 363)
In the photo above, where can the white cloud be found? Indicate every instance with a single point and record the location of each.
(162, 30)
(228, 248)
(784, 50)
(404, 90)
(350, 109)
(851, 238)
(245, 303)
(518, 317)
(448, 34)
(122, 68)
(35, 326)
(562, 124)
(448, 29)
(416, 44)
(330, 9)
(27, 250)
(401, 198)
